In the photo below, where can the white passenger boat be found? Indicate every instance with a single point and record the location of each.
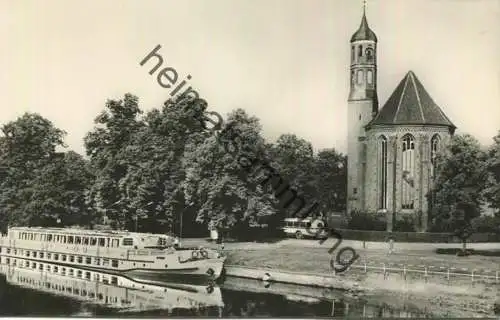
(136, 255)
(111, 291)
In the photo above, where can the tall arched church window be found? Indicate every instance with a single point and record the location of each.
(360, 51)
(352, 53)
(353, 77)
(434, 149)
(359, 76)
(408, 166)
(382, 178)
(369, 76)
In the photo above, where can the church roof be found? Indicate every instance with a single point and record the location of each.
(411, 104)
(364, 32)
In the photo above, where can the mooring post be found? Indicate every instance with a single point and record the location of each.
(365, 270)
(448, 275)
(496, 277)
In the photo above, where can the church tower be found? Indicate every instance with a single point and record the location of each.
(362, 107)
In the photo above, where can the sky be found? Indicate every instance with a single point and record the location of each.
(284, 61)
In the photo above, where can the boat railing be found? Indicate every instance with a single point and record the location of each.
(147, 252)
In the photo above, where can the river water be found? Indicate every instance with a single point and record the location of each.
(27, 291)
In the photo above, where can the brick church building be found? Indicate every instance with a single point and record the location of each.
(391, 151)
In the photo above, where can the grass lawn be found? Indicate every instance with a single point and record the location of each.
(310, 256)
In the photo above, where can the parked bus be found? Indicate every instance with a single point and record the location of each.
(305, 228)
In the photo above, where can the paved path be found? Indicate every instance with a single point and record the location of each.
(398, 246)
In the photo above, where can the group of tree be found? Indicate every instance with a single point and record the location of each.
(467, 180)
(160, 170)
(38, 184)
(155, 171)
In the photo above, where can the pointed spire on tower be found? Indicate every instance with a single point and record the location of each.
(364, 32)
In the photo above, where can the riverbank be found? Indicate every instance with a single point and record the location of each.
(458, 298)
(377, 302)
(465, 285)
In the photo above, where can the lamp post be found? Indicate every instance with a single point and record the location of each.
(180, 231)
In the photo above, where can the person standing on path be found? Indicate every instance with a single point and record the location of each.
(214, 234)
(391, 245)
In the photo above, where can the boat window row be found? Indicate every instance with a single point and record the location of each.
(82, 292)
(68, 272)
(66, 258)
(74, 240)
(64, 271)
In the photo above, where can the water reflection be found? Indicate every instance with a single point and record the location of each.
(31, 288)
(252, 298)
(99, 293)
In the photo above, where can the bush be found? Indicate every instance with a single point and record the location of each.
(463, 253)
(363, 235)
(243, 231)
(454, 251)
(405, 224)
(367, 221)
(486, 224)
(459, 252)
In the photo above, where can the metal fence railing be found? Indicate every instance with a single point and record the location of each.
(428, 270)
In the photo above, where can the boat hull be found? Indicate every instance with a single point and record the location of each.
(203, 269)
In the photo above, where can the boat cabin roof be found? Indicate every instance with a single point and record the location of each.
(84, 232)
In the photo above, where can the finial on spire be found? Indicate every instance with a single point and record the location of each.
(364, 6)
